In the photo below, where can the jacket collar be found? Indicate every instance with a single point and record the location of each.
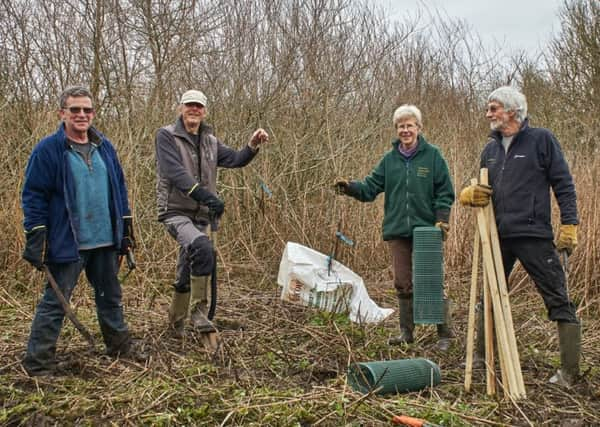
(421, 141)
(94, 135)
(497, 135)
(181, 132)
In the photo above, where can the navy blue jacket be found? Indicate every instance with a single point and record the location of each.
(49, 193)
(521, 180)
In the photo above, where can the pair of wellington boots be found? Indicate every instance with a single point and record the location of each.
(196, 302)
(569, 341)
(407, 326)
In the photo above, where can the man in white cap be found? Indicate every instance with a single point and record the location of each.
(187, 157)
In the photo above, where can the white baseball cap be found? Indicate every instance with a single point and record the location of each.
(193, 96)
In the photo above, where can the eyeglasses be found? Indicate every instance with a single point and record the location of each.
(409, 126)
(77, 110)
(493, 108)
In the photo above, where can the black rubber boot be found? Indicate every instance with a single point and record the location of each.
(117, 342)
(407, 326)
(569, 336)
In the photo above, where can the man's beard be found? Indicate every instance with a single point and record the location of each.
(497, 125)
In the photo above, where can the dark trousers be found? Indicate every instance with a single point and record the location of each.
(101, 270)
(540, 260)
(401, 253)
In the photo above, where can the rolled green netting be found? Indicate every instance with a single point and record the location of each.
(394, 376)
(428, 275)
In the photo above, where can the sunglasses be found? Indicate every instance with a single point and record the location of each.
(77, 110)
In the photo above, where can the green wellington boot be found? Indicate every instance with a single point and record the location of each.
(178, 312)
(445, 333)
(569, 337)
(199, 304)
(405, 315)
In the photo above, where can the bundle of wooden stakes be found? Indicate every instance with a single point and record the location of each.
(496, 311)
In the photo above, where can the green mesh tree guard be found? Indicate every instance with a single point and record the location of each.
(394, 376)
(428, 275)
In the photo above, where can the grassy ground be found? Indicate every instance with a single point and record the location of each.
(286, 368)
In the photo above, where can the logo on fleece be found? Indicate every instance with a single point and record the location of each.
(422, 172)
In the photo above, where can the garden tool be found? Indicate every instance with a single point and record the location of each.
(338, 236)
(67, 308)
(565, 262)
(213, 275)
(201, 315)
(405, 420)
(131, 264)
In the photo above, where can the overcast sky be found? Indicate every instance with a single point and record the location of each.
(514, 24)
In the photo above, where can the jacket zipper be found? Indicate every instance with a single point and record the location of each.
(407, 161)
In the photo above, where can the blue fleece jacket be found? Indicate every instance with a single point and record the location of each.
(48, 194)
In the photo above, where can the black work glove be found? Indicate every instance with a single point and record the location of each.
(212, 202)
(128, 241)
(343, 186)
(340, 185)
(35, 246)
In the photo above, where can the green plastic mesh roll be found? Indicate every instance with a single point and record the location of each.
(393, 376)
(428, 275)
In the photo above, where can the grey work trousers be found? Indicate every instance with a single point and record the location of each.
(184, 230)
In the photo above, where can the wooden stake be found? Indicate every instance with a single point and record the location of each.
(490, 363)
(507, 348)
(505, 304)
(471, 321)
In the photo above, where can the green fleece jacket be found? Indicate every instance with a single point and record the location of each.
(418, 192)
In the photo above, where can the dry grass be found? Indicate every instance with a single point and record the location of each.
(329, 77)
(288, 367)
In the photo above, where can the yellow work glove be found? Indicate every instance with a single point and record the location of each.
(567, 238)
(476, 195)
(445, 227)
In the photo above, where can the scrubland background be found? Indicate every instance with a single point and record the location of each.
(323, 77)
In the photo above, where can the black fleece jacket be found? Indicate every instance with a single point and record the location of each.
(521, 180)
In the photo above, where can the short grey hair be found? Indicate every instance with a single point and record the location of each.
(407, 110)
(73, 92)
(512, 100)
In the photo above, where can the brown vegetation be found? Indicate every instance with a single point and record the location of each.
(323, 77)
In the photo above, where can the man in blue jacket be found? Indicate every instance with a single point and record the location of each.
(524, 163)
(76, 217)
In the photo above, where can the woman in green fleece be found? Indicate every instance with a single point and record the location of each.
(418, 192)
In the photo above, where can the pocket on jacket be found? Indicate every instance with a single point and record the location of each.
(522, 208)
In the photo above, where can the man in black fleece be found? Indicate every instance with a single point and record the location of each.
(524, 163)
